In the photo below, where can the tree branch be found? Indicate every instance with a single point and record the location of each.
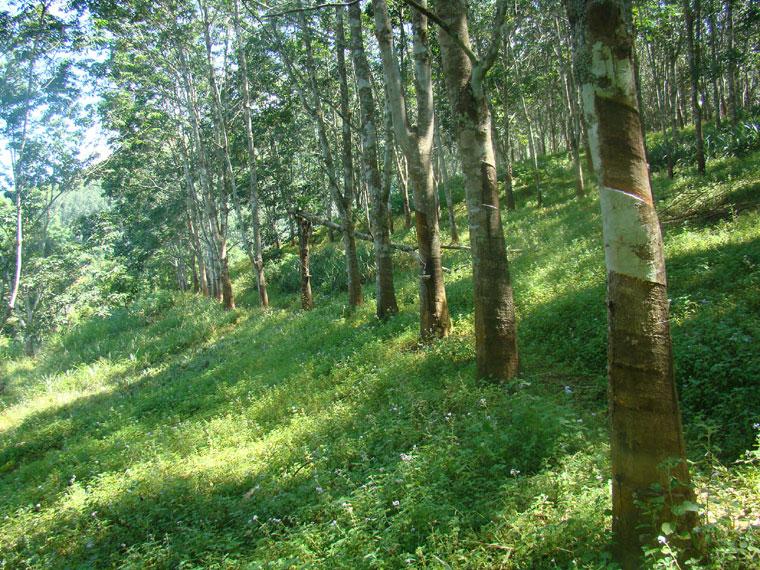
(493, 48)
(309, 9)
(315, 219)
(434, 17)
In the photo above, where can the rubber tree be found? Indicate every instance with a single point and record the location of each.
(379, 219)
(416, 142)
(253, 180)
(647, 444)
(465, 74)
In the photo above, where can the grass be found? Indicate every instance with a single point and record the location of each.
(174, 435)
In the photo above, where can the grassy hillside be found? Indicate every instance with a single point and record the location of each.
(174, 435)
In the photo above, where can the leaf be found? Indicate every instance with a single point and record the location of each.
(682, 508)
(668, 528)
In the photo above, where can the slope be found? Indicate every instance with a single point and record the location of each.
(172, 434)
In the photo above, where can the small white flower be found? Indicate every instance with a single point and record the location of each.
(406, 457)
(514, 472)
(397, 504)
(319, 489)
(568, 390)
(662, 540)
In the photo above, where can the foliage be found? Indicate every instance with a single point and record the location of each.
(722, 142)
(173, 434)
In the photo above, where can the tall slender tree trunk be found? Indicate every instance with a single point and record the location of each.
(19, 175)
(714, 64)
(253, 192)
(692, 14)
(533, 152)
(673, 143)
(343, 200)
(645, 419)
(389, 160)
(446, 183)
(349, 240)
(216, 219)
(386, 295)
(402, 169)
(304, 233)
(568, 89)
(509, 192)
(495, 325)
(227, 183)
(509, 152)
(417, 145)
(731, 56)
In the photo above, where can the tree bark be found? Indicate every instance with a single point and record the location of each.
(692, 15)
(343, 200)
(417, 146)
(227, 184)
(714, 65)
(386, 295)
(533, 152)
(568, 90)
(253, 192)
(444, 169)
(731, 57)
(403, 180)
(645, 419)
(304, 233)
(347, 199)
(495, 325)
(388, 162)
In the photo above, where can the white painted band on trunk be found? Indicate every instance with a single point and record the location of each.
(631, 245)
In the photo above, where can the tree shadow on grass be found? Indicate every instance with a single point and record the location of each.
(393, 460)
(256, 360)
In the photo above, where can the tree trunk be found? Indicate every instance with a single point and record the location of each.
(495, 326)
(644, 415)
(714, 64)
(388, 162)
(446, 187)
(227, 184)
(346, 207)
(253, 192)
(692, 15)
(343, 200)
(673, 119)
(417, 146)
(568, 89)
(386, 295)
(533, 153)
(304, 233)
(403, 179)
(731, 56)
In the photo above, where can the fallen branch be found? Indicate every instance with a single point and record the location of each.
(315, 219)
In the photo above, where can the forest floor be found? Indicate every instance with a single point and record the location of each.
(174, 435)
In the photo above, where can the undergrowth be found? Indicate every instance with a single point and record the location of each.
(174, 435)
